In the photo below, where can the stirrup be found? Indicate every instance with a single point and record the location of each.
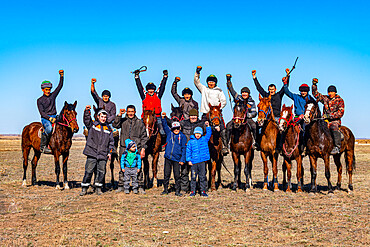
(335, 150)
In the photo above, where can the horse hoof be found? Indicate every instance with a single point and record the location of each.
(155, 183)
(24, 183)
(299, 190)
(66, 187)
(288, 190)
(265, 186)
(58, 187)
(276, 188)
(350, 192)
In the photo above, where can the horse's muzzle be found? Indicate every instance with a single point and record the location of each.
(75, 130)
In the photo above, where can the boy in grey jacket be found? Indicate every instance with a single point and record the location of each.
(186, 102)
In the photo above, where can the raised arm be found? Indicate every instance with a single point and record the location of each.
(174, 90)
(318, 96)
(87, 118)
(258, 85)
(93, 92)
(165, 125)
(197, 83)
(162, 86)
(230, 87)
(139, 86)
(208, 133)
(60, 84)
(286, 88)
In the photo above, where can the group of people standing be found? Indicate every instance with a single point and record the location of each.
(187, 138)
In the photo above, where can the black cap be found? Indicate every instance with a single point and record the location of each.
(188, 91)
(332, 88)
(245, 90)
(150, 85)
(212, 78)
(105, 92)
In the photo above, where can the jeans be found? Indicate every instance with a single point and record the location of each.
(90, 166)
(198, 170)
(48, 127)
(130, 174)
(168, 165)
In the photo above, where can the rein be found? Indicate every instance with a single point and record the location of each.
(242, 119)
(68, 124)
(153, 128)
(294, 148)
(179, 119)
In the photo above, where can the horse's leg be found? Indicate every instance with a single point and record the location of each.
(327, 172)
(35, 159)
(349, 158)
(111, 165)
(339, 169)
(299, 173)
(250, 167)
(313, 167)
(65, 170)
(57, 169)
(274, 159)
(284, 168)
(236, 170)
(218, 168)
(289, 168)
(146, 172)
(26, 152)
(247, 157)
(265, 170)
(155, 169)
(213, 173)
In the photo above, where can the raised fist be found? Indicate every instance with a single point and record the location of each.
(199, 68)
(137, 72)
(228, 77)
(206, 123)
(93, 80)
(315, 81)
(163, 114)
(254, 72)
(88, 107)
(287, 71)
(122, 111)
(165, 72)
(177, 79)
(61, 72)
(285, 80)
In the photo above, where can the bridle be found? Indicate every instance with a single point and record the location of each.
(213, 118)
(68, 122)
(268, 113)
(152, 128)
(242, 119)
(178, 119)
(291, 122)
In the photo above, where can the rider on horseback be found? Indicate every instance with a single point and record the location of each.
(47, 109)
(249, 103)
(151, 97)
(104, 102)
(211, 94)
(186, 102)
(333, 111)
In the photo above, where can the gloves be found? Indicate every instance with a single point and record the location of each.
(52, 120)
(61, 72)
(137, 72)
(315, 81)
(228, 77)
(177, 79)
(326, 116)
(199, 68)
(165, 72)
(287, 71)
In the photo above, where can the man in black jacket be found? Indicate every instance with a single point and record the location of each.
(131, 128)
(186, 102)
(99, 147)
(104, 102)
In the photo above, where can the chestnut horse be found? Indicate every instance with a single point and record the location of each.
(291, 150)
(154, 146)
(60, 143)
(269, 137)
(215, 146)
(241, 144)
(320, 144)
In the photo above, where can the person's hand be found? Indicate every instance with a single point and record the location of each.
(163, 114)
(61, 73)
(315, 81)
(109, 156)
(326, 116)
(121, 112)
(217, 128)
(287, 71)
(181, 163)
(138, 170)
(285, 80)
(206, 123)
(88, 108)
(177, 79)
(254, 73)
(165, 72)
(301, 116)
(199, 68)
(142, 153)
(93, 80)
(228, 77)
(52, 119)
(136, 72)
(190, 164)
(123, 170)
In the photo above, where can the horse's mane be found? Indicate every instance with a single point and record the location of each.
(316, 104)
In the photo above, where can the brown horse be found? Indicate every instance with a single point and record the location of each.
(60, 142)
(291, 150)
(153, 146)
(215, 146)
(241, 144)
(320, 144)
(269, 132)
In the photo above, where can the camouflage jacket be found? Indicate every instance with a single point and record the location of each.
(334, 107)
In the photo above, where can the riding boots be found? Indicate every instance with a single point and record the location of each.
(44, 143)
(225, 146)
(337, 141)
(84, 191)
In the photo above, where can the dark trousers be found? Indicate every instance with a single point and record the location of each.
(90, 166)
(168, 166)
(130, 175)
(198, 170)
(140, 178)
(184, 184)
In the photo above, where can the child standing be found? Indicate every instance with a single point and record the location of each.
(174, 154)
(197, 153)
(130, 165)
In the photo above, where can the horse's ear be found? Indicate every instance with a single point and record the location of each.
(291, 107)
(94, 107)
(260, 97)
(219, 106)
(65, 103)
(172, 107)
(75, 104)
(209, 104)
(284, 106)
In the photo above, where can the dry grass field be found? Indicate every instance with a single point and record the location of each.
(43, 216)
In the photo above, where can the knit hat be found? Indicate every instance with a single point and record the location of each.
(212, 78)
(198, 130)
(332, 88)
(245, 90)
(193, 112)
(187, 91)
(129, 143)
(46, 84)
(304, 88)
(106, 92)
(150, 85)
(102, 111)
(175, 125)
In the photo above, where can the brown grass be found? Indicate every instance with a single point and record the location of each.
(44, 216)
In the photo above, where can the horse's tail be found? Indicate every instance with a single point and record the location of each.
(353, 160)
(25, 136)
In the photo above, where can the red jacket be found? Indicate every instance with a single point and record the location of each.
(152, 103)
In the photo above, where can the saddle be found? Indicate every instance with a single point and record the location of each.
(41, 130)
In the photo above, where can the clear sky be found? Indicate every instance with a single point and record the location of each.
(108, 39)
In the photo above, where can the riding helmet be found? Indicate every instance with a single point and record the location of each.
(245, 90)
(46, 84)
(106, 92)
(304, 88)
(332, 88)
(187, 91)
(150, 85)
(212, 78)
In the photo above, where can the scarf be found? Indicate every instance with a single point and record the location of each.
(131, 157)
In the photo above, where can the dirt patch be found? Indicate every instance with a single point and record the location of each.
(43, 216)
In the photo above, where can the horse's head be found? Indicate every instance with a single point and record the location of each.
(149, 120)
(264, 110)
(214, 114)
(68, 116)
(240, 113)
(177, 113)
(286, 116)
(311, 110)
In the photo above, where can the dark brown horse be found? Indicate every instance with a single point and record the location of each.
(177, 113)
(241, 144)
(320, 144)
(215, 147)
(154, 146)
(291, 150)
(269, 132)
(60, 143)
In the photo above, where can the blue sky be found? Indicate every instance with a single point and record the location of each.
(108, 39)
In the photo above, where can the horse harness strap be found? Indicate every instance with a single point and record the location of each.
(68, 124)
(295, 146)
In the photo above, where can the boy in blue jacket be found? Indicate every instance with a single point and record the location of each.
(197, 153)
(130, 165)
(174, 154)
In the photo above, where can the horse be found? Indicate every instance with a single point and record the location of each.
(320, 144)
(60, 142)
(177, 113)
(154, 146)
(291, 150)
(241, 144)
(269, 136)
(215, 147)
